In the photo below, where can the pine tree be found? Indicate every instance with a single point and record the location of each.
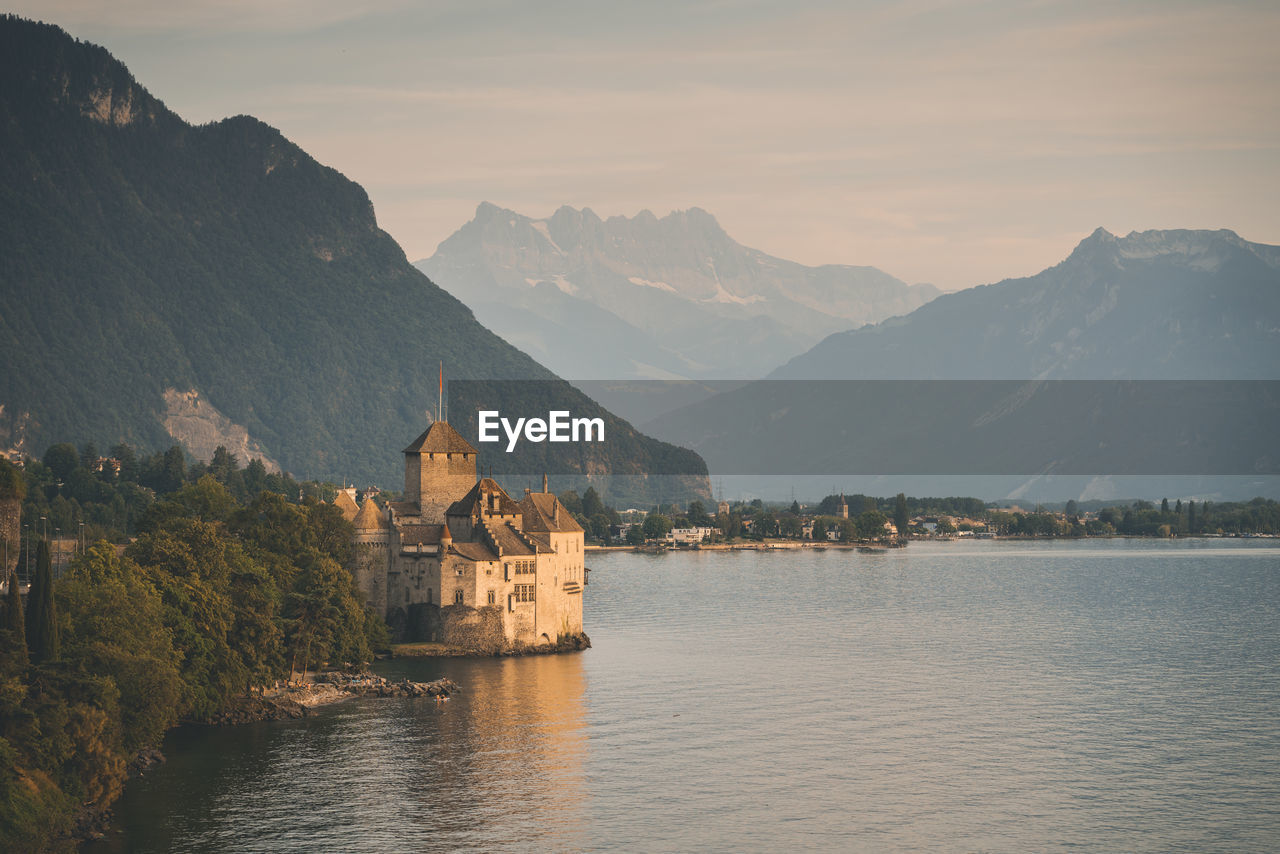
(42, 622)
(901, 519)
(13, 621)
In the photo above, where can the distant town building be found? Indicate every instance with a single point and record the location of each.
(688, 536)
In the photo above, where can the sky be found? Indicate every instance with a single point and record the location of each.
(957, 143)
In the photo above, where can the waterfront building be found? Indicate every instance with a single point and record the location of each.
(459, 561)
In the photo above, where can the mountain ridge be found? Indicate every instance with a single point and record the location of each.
(701, 304)
(142, 255)
(1154, 304)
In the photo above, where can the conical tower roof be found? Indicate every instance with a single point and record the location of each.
(370, 517)
(347, 505)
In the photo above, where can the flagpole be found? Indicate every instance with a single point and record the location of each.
(440, 397)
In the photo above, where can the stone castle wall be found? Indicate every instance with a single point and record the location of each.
(476, 629)
(441, 480)
(369, 561)
(10, 533)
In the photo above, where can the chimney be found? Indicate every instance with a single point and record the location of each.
(544, 482)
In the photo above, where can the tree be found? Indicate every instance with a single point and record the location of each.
(697, 514)
(117, 630)
(1164, 505)
(62, 460)
(901, 518)
(571, 502)
(870, 524)
(591, 504)
(635, 535)
(173, 471)
(656, 525)
(42, 618)
(1072, 508)
(128, 462)
(1191, 517)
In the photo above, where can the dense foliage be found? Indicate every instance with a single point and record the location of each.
(220, 258)
(219, 592)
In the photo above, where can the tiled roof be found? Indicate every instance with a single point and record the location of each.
(371, 517)
(544, 512)
(478, 495)
(347, 505)
(406, 508)
(440, 438)
(420, 535)
(509, 540)
(474, 551)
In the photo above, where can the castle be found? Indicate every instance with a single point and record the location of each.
(460, 562)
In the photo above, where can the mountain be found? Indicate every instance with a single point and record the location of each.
(987, 382)
(215, 284)
(649, 297)
(1176, 304)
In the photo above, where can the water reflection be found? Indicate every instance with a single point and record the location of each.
(500, 765)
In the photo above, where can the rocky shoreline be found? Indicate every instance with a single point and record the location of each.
(297, 700)
(431, 649)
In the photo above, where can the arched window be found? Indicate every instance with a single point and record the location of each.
(457, 596)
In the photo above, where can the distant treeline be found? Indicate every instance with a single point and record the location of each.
(868, 514)
(224, 589)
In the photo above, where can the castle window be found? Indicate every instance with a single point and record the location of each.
(457, 596)
(524, 593)
(493, 598)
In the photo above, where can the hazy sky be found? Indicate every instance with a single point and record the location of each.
(951, 142)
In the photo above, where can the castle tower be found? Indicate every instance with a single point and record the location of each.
(439, 466)
(369, 555)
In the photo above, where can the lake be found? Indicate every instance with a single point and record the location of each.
(966, 696)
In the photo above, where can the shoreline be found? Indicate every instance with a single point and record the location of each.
(432, 649)
(291, 701)
(792, 545)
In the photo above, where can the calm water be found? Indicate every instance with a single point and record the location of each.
(1118, 695)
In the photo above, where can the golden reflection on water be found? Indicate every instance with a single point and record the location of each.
(511, 748)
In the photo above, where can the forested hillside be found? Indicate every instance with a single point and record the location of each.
(141, 255)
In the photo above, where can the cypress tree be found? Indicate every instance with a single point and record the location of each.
(901, 518)
(13, 619)
(42, 623)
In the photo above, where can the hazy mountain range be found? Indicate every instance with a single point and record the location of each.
(1177, 304)
(1155, 305)
(645, 297)
(214, 284)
